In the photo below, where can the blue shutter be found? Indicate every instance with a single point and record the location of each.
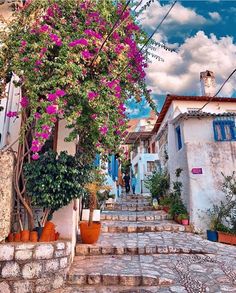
(179, 139)
(109, 165)
(97, 160)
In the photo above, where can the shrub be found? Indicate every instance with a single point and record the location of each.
(158, 184)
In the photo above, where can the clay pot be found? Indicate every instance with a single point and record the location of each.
(10, 237)
(185, 222)
(89, 234)
(33, 236)
(25, 235)
(17, 237)
(48, 232)
(226, 238)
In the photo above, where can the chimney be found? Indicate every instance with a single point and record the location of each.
(208, 84)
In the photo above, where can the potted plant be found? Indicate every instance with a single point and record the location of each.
(223, 215)
(90, 230)
(52, 182)
(184, 219)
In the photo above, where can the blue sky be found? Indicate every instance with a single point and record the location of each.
(203, 33)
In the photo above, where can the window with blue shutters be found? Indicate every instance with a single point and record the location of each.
(178, 137)
(224, 129)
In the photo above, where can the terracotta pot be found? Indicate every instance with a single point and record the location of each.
(17, 237)
(185, 222)
(57, 236)
(10, 237)
(226, 238)
(25, 235)
(48, 231)
(166, 209)
(53, 235)
(34, 236)
(89, 234)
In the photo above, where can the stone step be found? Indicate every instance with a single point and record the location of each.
(134, 216)
(122, 289)
(197, 273)
(122, 270)
(135, 197)
(146, 244)
(143, 226)
(118, 207)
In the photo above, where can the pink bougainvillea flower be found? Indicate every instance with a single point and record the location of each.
(92, 95)
(60, 93)
(122, 107)
(24, 102)
(35, 156)
(94, 116)
(25, 59)
(82, 42)
(38, 63)
(53, 119)
(103, 130)
(121, 122)
(55, 39)
(11, 114)
(118, 132)
(45, 135)
(37, 115)
(86, 54)
(51, 109)
(98, 145)
(23, 43)
(52, 97)
(44, 28)
(46, 128)
(92, 33)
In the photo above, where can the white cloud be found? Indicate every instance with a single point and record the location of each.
(180, 72)
(215, 1)
(215, 16)
(179, 15)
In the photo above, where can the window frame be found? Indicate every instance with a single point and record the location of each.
(178, 138)
(221, 124)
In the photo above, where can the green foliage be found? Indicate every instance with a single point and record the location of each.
(158, 184)
(177, 206)
(223, 215)
(54, 180)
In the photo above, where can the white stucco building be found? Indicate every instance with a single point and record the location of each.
(144, 156)
(198, 134)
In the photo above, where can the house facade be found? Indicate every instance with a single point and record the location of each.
(198, 135)
(143, 155)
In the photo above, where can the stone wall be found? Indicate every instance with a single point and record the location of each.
(6, 173)
(33, 267)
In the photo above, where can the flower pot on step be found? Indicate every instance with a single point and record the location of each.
(185, 222)
(48, 232)
(212, 235)
(34, 236)
(96, 215)
(25, 236)
(10, 237)
(89, 234)
(166, 209)
(226, 238)
(17, 237)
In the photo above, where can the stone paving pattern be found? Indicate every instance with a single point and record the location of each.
(150, 262)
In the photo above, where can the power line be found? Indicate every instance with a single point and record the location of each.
(228, 78)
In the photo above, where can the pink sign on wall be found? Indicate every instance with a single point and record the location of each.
(197, 171)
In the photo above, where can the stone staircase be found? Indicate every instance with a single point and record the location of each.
(142, 251)
(130, 251)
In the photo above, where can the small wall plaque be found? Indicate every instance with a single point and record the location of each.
(197, 171)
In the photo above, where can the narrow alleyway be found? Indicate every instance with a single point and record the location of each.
(141, 251)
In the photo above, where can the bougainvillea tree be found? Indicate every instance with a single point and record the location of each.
(70, 63)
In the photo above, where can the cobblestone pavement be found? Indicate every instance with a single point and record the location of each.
(150, 262)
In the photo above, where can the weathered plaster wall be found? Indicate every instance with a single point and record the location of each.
(178, 159)
(33, 267)
(6, 173)
(213, 158)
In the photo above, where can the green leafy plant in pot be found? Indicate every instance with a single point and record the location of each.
(90, 230)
